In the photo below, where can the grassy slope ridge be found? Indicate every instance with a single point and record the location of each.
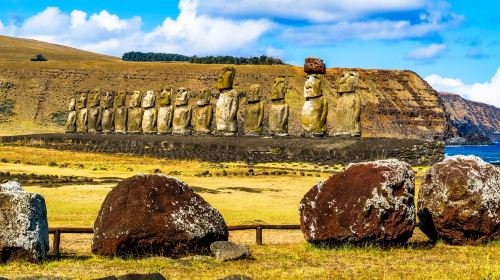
(396, 103)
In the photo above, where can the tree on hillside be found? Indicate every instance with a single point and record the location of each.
(140, 56)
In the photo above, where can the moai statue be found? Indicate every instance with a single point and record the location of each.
(95, 112)
(254, 112)
(181, 124)
(150, 113)
(346, 119)
(135, 112)
(108, 113)
(121, 112)
(71, 120)
(278, 113)
(203, 114)
(315, 109)
(165, 111)
(227, 104)
(82, 114)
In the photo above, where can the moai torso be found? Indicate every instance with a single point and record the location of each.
(203, 114)
(278, 112)
(94, 112)
(346, 117)
(150, 113)
(227, 104)
(120, 113)
(108, 113)
(165, 112)
(315, 109)
(71, 120)
(82, 117)
(181, 124)
(135, 113)
(254, 112)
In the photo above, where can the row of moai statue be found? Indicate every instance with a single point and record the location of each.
(108, 113)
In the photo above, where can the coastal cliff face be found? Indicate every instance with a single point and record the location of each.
(472, 122)
(395, 103)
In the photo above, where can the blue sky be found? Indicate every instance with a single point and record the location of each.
(454, 45)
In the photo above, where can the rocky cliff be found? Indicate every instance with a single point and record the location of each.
(472, 122)
(396, 103)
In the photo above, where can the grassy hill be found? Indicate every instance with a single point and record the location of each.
(396, 103)
(21, 50)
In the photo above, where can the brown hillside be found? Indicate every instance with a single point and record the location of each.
(396, 103)
(471, 119)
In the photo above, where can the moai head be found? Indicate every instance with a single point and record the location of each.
(149, 99)
(107, 99)
(182, 96)
(348, 82)
(72, 104)
(204, 97)
(82, 101)
(313, 86)
(120, 98)
(253, 94)
(95, 98)
(135, 99)
(165, 97)
(226, 78)
(279, 89)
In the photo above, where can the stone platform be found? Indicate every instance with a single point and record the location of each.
(328, 150)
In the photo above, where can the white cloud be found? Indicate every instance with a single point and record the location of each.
(310, 10)
(488, 92)
(427, 53)
(189, 33)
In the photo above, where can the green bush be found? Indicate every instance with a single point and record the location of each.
(7, 108)
(59, 117)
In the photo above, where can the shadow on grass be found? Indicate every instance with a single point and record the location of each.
(336, 245)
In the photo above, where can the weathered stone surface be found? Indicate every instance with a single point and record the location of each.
(459, 201)
(71, 120)
(181, 122)
(120, 121)
(278, 118)
(347, 112)
(135, 113)
(165, 112)
(254, 111)
(314, 65)
(108, 113)
(150, 113)
(155, 214)
(227, 250)
(82, 117)
(368, 202)
(227, 104)
(203, 114)
(315, 108)
(23, 223)
(94, 112)
(278, 91)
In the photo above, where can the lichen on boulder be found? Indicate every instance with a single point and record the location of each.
(23, 223)
(459, 201)
(156, 214)
(370, 202)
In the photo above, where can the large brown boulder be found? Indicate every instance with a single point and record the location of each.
(368, 202)
(155, 214)
(459, 201)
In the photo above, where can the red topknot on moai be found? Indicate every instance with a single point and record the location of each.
(314, 65)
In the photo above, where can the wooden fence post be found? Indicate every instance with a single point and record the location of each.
(56, 243)
(258, 235)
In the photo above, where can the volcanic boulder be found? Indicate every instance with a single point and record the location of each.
(23, 225)
(368, 202)
(313, 65)
(459, 201)
(156, 214)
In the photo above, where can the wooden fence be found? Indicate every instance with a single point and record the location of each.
(56, 244)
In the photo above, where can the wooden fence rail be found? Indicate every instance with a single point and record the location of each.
(56, 243)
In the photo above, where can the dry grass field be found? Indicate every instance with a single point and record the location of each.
(268, 199)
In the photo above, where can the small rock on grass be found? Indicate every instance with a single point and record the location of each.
(227, 250)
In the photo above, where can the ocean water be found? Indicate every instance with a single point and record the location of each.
(489, 153)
